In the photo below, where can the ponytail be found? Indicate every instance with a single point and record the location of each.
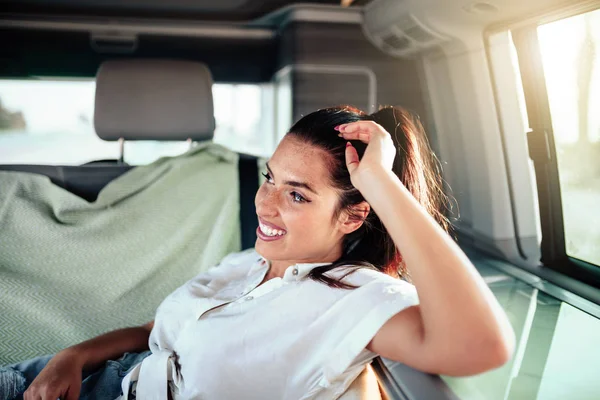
(415, 164)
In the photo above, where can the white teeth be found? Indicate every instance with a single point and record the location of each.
(269, 231)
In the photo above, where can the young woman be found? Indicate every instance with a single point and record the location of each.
(349, 211)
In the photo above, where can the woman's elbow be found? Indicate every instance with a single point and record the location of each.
(488, 355)
(501, 349)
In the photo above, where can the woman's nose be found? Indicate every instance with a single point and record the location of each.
(266, 205)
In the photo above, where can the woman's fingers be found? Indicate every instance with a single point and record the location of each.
(360, 130)
(380, 151)
(363, 136)
(351, 158)
(359, 125)
(72, 393)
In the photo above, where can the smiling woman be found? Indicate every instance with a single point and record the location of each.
(351, 203)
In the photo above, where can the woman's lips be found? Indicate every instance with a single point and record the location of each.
(263, 236)
(269, 224)
(269, 232)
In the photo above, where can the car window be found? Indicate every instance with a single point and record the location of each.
(558, 63)
(570, 51)
(50, 121)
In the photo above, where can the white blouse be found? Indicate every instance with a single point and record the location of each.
(221, 336)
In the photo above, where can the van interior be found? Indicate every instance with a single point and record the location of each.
(104, 100)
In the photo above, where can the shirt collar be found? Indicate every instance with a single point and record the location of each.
(302, 270)
(293, 272)
(259, 264)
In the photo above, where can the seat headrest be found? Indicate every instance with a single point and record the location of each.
(154, 100)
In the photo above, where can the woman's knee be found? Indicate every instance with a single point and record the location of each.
(15, 378)
(32, 367)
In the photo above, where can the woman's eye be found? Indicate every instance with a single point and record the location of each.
(297, 197)
(267, 177)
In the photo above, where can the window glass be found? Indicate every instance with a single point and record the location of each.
(45, 121)
(244, 116)
(570, 50)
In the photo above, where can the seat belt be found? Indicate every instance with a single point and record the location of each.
(248, 176)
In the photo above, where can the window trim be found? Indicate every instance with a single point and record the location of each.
(542, 151)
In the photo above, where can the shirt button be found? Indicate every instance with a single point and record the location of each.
(248, 298)
(295, 271)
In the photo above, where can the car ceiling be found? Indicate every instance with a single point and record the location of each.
(215, 10)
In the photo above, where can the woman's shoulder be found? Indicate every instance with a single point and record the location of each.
(372, 280)
(234, 265)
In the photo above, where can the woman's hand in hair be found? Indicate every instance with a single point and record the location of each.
(379, 154)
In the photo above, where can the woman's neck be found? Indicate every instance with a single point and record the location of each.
(277, 268)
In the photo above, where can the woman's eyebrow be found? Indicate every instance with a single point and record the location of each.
(293, 183)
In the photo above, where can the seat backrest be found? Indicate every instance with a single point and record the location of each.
(167, 100)
(85, 181)
(164, 100)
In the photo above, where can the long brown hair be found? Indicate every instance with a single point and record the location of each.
(371, 246)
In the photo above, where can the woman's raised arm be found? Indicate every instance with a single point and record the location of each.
(458, 328)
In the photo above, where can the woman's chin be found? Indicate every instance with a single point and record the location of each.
(268, 250)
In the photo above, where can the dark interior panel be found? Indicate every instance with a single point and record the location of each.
(30, 53)
(224, 10)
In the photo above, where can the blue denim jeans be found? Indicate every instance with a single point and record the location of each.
(103, 384)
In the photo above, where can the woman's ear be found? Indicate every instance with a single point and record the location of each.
(352, 219)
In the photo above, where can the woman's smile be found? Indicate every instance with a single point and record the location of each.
(262, 235)
(268, 232)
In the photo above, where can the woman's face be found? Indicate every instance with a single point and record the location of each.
(296, 205)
